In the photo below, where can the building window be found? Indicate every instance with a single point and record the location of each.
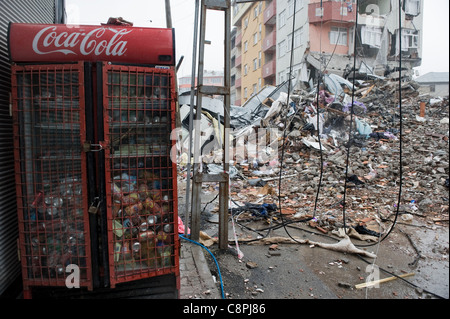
(298, 34)
(298, 6)
(260, 32)
(245, 69)
(371, 36)
(338, 36)
(255, 38)
(245, 93)
(245, 46)
(245, 22)
(259, 59)
(254, 89)
(410, 39)
(282, 48)
(259, 83)
(255, 64)
(282, 19)
(281, 77)
(297, 39)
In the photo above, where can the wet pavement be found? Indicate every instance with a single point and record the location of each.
(196, 280)
(300, 271)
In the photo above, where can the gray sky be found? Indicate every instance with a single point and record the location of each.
(151, 13)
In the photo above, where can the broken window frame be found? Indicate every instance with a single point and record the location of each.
(372, 36)
(410, 39)
(409, 5)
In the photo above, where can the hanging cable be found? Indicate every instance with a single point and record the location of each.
(351, 118)
(400, 129)
(285, 122)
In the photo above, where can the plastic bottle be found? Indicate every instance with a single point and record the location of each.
(412, 205)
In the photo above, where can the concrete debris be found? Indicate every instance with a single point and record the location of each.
(349, 143)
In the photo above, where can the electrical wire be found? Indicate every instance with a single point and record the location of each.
(288, 224)
(285, 122)
(284, 223)
(214, 258)
(368, 262)
(400, 130)
(351, 119)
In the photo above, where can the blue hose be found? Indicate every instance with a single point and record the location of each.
(217, 265)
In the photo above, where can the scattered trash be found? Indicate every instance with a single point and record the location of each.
(321, 147)
(251, 265)
(363, 230)
(377, 282)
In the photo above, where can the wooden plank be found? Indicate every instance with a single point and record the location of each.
(376, 282)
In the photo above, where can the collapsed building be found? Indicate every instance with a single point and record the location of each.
(281, 135)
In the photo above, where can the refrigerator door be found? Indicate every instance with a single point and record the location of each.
(49, 131)
(141, 194)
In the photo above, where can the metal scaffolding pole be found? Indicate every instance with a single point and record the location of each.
(191, 117)
(199, 177)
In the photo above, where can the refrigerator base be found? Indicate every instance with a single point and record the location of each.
(159, 287)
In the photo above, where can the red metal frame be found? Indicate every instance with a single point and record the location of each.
(50, 171)
(141, 179)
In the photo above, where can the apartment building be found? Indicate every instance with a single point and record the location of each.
(212, 78)
(253, 64)
(322, 40)
(289, 38)
(332, 27)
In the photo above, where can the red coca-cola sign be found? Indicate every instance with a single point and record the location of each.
(68, 43)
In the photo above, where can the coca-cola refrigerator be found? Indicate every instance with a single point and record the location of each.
(93, 111)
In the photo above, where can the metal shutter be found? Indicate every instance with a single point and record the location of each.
(25, 11)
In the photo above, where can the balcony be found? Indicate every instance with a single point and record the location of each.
(269, 69)
(238, 61)
(270, 42)
(270, 13)
(238, 83)
(238, 39)
(331, 11)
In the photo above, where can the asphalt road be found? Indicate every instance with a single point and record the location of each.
(298, 271)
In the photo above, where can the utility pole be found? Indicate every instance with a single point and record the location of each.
(168, 15)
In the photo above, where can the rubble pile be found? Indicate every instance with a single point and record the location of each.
(310, 136)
